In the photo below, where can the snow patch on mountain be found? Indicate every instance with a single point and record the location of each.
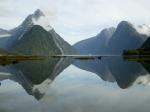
(43, 87)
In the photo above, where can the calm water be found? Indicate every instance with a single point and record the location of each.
(65, 85)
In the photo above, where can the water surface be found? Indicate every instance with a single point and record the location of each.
(67, 85)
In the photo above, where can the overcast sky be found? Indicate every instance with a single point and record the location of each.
(76, 20)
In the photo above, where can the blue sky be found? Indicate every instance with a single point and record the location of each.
(76, 20)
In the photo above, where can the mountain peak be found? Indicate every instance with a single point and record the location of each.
(37, 18)
(125, 27)
(38, 13)
(125, 23)
(141, 29)
(107, 32)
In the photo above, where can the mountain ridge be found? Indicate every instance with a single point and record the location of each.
(125, 36)
(33, 20)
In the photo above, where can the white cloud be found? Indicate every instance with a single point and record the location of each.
(77, 19)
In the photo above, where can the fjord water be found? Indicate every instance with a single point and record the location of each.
(66, 85)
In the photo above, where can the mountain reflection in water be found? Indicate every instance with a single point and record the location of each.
(113, 69)
(36, 77)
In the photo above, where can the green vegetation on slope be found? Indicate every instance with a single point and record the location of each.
(141, 54)
(137, 52)
(37, 41)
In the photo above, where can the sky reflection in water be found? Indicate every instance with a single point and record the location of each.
(77, 90)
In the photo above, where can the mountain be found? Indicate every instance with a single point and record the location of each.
(4, 35)
(114, 41)
(64, 47)
(98, 67)
(141, 52)
(116, 69)
(36, 41)
(126, 73)
(4, 52)
(97, 44)
(126, 36)
(36, 76)
(146, 66)
(146, 44)
(37, 18)
(34, 35)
